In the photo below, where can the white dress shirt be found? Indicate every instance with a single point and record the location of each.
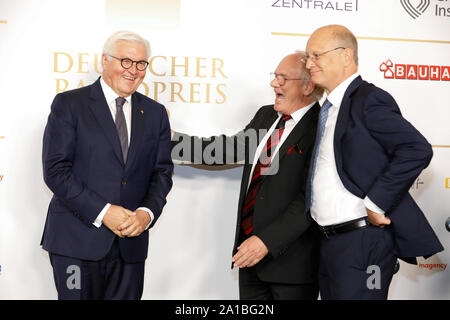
(289, 126)
(111, 97)
(332, 203)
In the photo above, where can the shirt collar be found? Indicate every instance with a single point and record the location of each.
(297, 115)
(109, 93)
(336, 96)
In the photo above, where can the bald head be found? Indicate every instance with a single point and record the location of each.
(332, 53)
(339, 36)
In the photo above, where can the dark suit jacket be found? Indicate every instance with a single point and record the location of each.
(83, 166)
(280, 220)
(380, 154)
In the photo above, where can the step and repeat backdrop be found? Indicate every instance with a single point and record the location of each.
(210, 67)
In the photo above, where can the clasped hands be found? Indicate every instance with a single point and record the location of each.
(124, 222)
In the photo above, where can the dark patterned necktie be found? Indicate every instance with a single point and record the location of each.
(121, 126)
(261, 167)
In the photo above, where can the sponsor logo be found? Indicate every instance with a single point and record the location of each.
(431, 266)
(1, 177)
(414, 71)
(447, 224)
(447, 183)
(415, 11)
(339, 5)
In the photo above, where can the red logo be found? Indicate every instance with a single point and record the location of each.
(415, 71)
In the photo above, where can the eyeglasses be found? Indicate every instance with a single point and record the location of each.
(282, 79)
(315, 56)
(127, 63)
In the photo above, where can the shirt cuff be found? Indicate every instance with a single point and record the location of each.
(372, 206)
(98, 220)
(150, 213)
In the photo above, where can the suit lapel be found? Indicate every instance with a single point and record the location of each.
(300, 130)
(137, 128)
(342, 120)
(102, 113)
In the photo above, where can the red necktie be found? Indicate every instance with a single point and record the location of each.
(261, 167)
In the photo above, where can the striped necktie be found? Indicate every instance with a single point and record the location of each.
(261, 167)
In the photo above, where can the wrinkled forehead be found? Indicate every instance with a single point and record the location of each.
(290, 66)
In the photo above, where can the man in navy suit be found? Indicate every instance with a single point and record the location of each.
(365, 160)
(106, 158)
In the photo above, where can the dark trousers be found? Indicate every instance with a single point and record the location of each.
(357, 265)
(252, 288)
(110, 278)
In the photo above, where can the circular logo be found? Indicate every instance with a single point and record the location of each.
(447, 224)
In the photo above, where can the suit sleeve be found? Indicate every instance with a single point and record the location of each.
(216, 150)
(58, 154)
(409, 152)
(161, 179)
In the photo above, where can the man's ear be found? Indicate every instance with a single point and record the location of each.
(348, 56)
(104, 60)
(308, 87)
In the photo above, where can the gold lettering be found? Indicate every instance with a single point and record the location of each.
(193, 92)
(208, 92)
(56, 64)
(96, 63)
(150, 66)
(178, 92)
(58, 87)
(80, 84)
(81, 62)
(219, 69)
(199, 66)
(221, 93)
(185, 66)
(146, 89)
(157, 92)
(168, 113)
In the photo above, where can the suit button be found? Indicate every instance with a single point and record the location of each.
(124, 182)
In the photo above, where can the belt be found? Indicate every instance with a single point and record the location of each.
(344, 227)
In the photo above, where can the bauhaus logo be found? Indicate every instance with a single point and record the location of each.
(415, 10)
(414, 71)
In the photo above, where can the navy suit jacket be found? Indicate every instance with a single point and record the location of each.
(380, 154)
(84, 168)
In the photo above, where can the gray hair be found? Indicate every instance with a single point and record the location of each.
(110, 44)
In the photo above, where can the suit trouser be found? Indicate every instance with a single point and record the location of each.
(251, 287)
(110, 278)
(357, 265)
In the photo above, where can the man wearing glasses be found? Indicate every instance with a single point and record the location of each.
(275, 245)
(106, 158)
(365, 159)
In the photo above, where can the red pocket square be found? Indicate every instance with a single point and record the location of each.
(294, 148)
